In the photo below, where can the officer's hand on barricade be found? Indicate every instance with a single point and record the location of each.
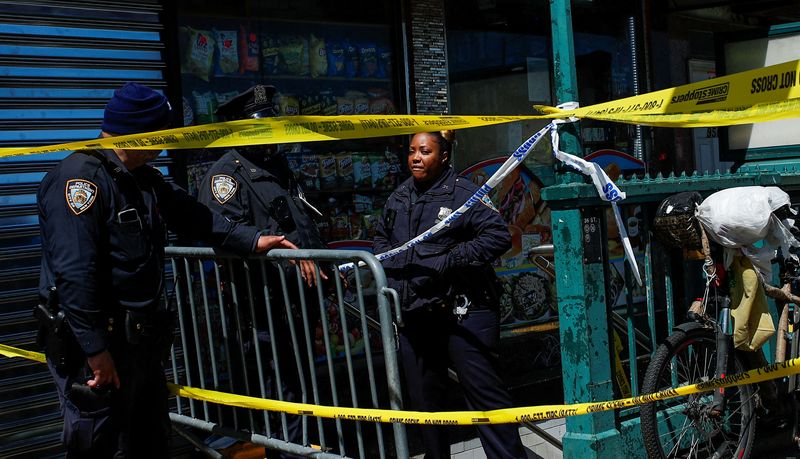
(307, 267)
(266, 242)
(307, 270)
(104, 370)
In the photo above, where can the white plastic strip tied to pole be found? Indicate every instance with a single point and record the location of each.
(607, 190)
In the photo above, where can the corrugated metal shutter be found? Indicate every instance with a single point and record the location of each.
(59, 63)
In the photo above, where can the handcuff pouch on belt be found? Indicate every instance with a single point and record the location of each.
(461, 306)
(55, 335)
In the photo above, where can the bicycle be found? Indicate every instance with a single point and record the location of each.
(722, 423)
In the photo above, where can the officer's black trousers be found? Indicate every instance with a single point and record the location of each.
(430, 340)
(131, 422)
(290, 389)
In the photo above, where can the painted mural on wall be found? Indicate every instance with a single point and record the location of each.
(529, 291)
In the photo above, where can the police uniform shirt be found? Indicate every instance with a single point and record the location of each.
(262, 192)
(103, 234)
(457, 260)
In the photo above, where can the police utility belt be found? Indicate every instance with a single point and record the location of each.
(132, 327)
(55, 336)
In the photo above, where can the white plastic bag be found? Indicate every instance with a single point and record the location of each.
(738, 218)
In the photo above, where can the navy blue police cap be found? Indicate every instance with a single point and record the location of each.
(256, 102)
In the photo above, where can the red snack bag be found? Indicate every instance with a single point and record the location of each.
(248, 51)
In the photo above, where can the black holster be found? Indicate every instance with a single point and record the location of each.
(55, 336)
(88, 399)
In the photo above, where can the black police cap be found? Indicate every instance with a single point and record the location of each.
(256, 102)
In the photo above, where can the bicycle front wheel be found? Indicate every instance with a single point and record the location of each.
(685, 427)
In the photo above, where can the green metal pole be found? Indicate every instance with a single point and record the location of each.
(564, 71)
(579, 238)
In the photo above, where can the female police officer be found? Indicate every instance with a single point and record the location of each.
(103, 215)
(448, 291)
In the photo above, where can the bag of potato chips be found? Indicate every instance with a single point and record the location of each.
(335, 55)
(327, 171)
(317, 56)
(227, 52)
(270, 57)
(248, 51)
(199, 60)
(344, 169)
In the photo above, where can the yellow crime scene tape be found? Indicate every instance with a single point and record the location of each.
(503, 416)
(764, 94)
(281, 129)
(759, 95)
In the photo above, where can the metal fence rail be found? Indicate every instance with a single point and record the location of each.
(251, 326)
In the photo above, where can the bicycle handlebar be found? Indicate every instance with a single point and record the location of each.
(782, 294)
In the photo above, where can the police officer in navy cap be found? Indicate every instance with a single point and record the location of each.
(255, 185)
(449, 293)
(103, 215)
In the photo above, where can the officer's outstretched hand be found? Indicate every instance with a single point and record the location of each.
(104, 370)
(307, 267)
(307, 270)
(266, 242)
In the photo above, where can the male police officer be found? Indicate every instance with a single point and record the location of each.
(102, 216)
(255, 185)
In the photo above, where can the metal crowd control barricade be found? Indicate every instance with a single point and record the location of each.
(247, 326)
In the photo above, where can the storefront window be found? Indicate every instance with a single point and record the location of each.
(499, 64)
(325, 58)
(603, 61)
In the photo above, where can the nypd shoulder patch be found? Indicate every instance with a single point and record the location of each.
(223, 187)
(80, 194)
(488, 203)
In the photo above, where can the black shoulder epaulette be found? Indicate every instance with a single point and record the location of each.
(114, 169)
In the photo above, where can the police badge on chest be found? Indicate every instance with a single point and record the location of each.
(444, 212)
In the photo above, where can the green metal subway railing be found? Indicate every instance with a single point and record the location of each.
(671, 282)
